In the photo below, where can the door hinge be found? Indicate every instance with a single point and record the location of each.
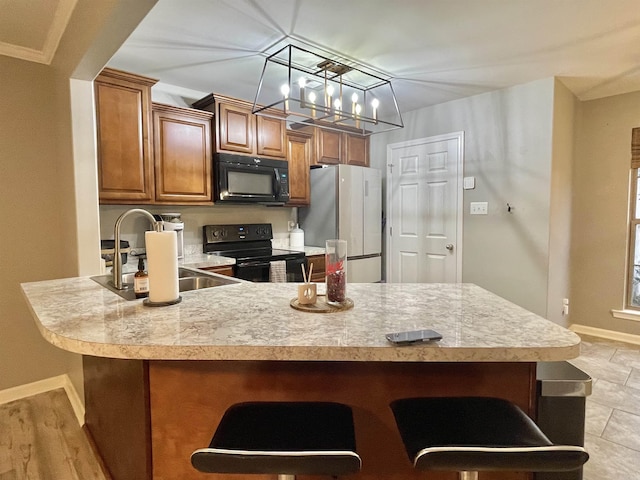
(390, 168)
(391, 231)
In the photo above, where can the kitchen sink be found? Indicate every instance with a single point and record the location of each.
(188, 279)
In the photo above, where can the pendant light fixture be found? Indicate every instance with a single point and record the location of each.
(307, 88)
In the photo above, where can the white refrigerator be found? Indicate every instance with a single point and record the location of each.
(346, 203)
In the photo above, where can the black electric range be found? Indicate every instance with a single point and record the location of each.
(250, 245)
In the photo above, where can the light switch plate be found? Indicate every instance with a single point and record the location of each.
(479, 208)
(469, 183)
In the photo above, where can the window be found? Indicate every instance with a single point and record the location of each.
(633, 292)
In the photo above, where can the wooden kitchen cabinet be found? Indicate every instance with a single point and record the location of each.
(318, 274)
(240, 131)
(123, 117)
(270, 139)
(356, 150)
(328, 147)
(299, 156)
(222, 270)
(183, 155)
(236, 125)
(332, 147)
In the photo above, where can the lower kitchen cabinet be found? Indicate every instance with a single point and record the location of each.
(318, 274)
(182, 155)
(299, 156)
(222, 270)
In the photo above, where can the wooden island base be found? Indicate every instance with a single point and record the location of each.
(146, 417)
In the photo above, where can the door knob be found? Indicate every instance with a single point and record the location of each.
(449, 246)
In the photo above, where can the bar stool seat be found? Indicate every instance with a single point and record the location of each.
(284, 438)
(471, 434)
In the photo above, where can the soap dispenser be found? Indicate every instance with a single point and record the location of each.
(141, 281)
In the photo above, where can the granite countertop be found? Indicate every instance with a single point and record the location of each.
(253, 321)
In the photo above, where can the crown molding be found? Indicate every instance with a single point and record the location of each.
(58, 24)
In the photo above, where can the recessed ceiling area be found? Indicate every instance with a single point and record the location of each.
(435, 51)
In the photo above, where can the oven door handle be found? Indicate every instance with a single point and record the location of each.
(252, 264)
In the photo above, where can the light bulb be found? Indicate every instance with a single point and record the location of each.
(330, 90)
(312, 97)
(375, 103)
(358, 108)
(284, 89)
(338, 104)
(354, 98)
(302, 82)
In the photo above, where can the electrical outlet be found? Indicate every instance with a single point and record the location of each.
(479, 208)
(565, 306)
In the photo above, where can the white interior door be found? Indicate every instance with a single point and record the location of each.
(424, 210)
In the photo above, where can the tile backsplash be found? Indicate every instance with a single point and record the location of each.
(194, 218)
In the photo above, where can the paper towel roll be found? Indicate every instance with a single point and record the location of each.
(162, 265)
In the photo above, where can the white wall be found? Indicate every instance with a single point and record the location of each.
(508, 148)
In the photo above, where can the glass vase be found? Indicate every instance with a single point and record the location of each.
(336, 271)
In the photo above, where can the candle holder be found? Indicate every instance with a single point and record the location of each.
(336, 271)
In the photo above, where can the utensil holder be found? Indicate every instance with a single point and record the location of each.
(307, 294)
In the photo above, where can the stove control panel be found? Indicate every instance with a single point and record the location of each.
(236, 233)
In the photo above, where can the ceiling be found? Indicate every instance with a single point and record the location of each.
(434, 50)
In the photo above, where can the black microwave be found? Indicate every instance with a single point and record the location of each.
(244, 179)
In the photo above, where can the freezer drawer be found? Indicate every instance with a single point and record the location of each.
(364, 270)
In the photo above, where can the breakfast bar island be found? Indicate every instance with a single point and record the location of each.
(158, 380)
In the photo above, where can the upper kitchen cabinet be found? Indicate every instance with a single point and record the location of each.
(356, 150)
(183, 155)
(328, 147)
(300, 157)
(240, 131)
(123, 115)
(332, 147)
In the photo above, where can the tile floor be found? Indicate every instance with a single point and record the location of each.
(612, 431)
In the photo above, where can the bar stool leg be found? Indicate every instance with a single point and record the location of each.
(468, 475)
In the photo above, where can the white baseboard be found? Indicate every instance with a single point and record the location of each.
(608, 334)
(46, 385)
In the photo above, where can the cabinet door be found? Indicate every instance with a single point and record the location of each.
(318, 273)
(356, 150)
(123, 115)
(222, 270)
(182, 146)
(328, 146)
(271, 137)
(299, 155)
(236, 127)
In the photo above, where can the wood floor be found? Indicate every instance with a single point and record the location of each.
(40, 439)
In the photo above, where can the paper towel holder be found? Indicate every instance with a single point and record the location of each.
(147, 303)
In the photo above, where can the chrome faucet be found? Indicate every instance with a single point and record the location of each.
(117, 259)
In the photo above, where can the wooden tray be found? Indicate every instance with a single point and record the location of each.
(321, 306)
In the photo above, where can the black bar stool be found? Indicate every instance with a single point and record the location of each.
(472, 434)
(283, 438)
